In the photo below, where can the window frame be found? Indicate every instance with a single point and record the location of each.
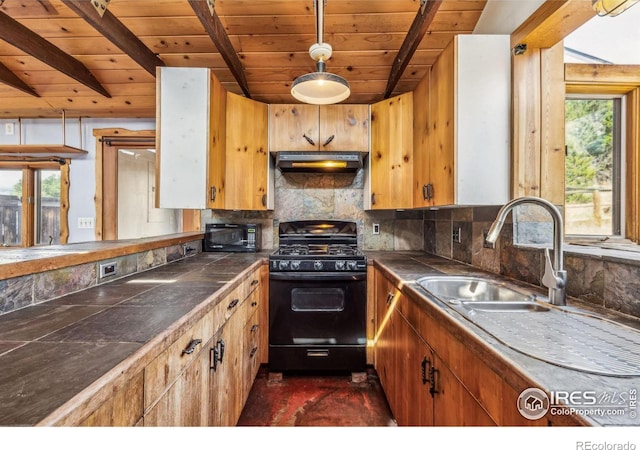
(623, 80)
(27, 222)
(619, 161)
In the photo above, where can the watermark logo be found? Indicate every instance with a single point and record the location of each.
(533, 403)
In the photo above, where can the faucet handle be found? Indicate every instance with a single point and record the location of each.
(552, 278)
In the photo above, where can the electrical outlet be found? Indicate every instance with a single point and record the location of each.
(455, 236)
(9, 129)
(376, 228)
(108, 269)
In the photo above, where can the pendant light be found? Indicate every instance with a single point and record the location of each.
(611, 7)
(320, 87)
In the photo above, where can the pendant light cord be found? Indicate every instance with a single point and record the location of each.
(319, 4)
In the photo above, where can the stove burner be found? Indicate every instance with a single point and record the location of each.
(318, 250)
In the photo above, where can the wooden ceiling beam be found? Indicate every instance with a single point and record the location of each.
(29, 42)
(426, 14)
(218, 35)
(110, 27)
(552, 22)
(11, 79)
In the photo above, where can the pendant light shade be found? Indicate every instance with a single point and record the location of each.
(320, 87)
(612, 7)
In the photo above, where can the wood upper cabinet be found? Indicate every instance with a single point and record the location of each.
(249, 167)
(462, 122)
(301, 127)
(389, 178)
(190, 129)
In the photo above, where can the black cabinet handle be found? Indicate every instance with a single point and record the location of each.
(425, 192)
(217, 354)
(429, 191)
(214, 193)
(264, 200)
(433, 374)
(389, 298)
(255, 327)
(254, 303)
(253, 352)
(424, 364)
(254, 282)
(373, 198)
(309, 140)
(233, 304)
(192, 346)
(329, 139)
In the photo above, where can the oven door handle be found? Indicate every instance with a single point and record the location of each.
(313, 276)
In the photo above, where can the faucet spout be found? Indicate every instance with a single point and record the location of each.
(555, 277)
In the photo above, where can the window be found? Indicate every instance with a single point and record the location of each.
(593, 166)
(33, 204)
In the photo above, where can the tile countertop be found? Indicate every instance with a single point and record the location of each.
(117, 328)
(518, 369)
(51, 352)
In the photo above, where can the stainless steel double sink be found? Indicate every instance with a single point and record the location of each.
(472, 293)
(564, 336)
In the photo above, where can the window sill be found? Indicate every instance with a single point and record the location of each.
(619, 250)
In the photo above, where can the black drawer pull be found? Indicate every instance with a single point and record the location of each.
(255, 327)
(309, 140)
(233, 303)
(389, 298)
(254, 303)
(254, 350)
(328, 141)
(254, 282)
(192, 346)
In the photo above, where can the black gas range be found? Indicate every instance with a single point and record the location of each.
(317, 298)
(318, 246)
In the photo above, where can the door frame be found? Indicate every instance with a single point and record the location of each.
(108, 142)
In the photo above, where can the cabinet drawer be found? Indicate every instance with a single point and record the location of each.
(167, 366)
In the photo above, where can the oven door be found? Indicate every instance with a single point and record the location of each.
(317, 321)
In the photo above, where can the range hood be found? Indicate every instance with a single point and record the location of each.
(314, 161)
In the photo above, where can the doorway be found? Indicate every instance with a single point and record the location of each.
(125, 187)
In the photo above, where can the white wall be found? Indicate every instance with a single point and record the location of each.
(82, 170)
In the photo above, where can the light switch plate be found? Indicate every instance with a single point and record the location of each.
(376, 228)
(108, 269)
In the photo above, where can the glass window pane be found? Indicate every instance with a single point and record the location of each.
(590, 192)
(48, 211)
(10, 207)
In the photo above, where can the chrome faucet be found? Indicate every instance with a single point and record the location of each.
(555, 277)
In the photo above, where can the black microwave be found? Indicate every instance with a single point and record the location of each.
(232, 237)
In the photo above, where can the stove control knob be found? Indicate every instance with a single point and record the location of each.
(295, 265)
(353, 265)
(340, 265)
(317, 265)
(283, 265)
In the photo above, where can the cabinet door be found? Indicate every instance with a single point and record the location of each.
(453, 404)
(391, 158)
(251, 353)
(421, 148)
(247, 162)
(294, 127)
(123, 409)
(186, 402)
(217, 145)
(182, 138)
(442, 135)
(344, 128)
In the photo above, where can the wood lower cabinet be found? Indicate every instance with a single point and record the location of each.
(204, 377)
(123, 409)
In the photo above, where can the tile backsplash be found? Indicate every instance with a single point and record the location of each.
(605, 278)
(307, 196)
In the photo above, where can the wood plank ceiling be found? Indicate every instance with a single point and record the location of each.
(271, 39)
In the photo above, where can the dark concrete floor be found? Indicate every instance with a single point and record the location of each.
(333, 400)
